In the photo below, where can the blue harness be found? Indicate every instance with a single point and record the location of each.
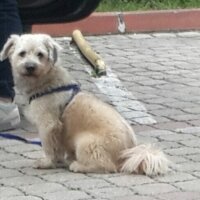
(74, 87)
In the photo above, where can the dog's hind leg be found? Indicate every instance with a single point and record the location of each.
(91, 156)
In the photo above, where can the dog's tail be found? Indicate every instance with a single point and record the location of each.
(144, 159)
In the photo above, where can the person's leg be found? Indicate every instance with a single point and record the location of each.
(10, 23)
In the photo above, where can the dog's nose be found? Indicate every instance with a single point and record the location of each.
(30, 67)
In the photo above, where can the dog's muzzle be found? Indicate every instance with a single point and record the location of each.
(30, 67)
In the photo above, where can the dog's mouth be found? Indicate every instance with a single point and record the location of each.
(27, 74)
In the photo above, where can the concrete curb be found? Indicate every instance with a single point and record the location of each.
(127, 22)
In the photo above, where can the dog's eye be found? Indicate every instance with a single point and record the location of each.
(22, 54)
(40, 55)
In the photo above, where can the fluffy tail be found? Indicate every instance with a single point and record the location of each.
(144, 159)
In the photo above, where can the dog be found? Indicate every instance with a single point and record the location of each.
(93, 135)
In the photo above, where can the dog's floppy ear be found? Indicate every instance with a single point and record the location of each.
(8, 47)
(53, 49)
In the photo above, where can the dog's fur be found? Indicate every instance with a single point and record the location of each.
(95, 137)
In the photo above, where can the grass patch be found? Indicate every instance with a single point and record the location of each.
(133, 5)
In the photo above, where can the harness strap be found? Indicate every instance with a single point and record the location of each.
(74, 87)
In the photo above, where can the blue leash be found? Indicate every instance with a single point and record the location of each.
(16, 137)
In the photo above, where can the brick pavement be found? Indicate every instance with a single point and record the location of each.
(155, 85)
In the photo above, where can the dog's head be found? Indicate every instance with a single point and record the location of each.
(31, 55)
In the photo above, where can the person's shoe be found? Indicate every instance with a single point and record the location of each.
(9, 116)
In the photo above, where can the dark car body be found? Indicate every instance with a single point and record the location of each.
(54, 11)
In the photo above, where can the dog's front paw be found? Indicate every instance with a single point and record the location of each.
(44, 163)
(75, 167)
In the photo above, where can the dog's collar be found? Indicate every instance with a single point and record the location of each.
(74, 87)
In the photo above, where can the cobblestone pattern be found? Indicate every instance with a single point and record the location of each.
(118, 95)
(162, 72)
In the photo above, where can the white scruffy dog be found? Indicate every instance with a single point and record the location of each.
(95, 137)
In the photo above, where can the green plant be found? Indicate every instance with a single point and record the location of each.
(129, 5)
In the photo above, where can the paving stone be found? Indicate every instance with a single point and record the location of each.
(34, 154)
(110, 192)
(168, 145)
(23, 148)
(134, 114)
(5, 173)
(167, 112)
(197, 174)
(42, 188)
(175, 177)
(64, 176)
(138, 128)
(160, 119)
(7, 191)
(189, 130)
(121, 109)
(194, 123)
(20, 180)
(192, 110)
(85, 184)
(5, 142)
(159, 101)
(149, 96)
(143, 139)
(135, 197)
(184, 117)
(4, 156)
(183, 151)
(153, 189)
(191, 143)
(41, 172)
(177, 137)
(130, 180)
(195, 158)
(180, 195)
(66, 195)
(23, 198)
(190, 167)
(144, 120)
(180, 105)
(155, 133)
(17, 164)
(103, 176)
(192, 186)
(133, 105)
(154, 82)
(177, 159)
(170, 125)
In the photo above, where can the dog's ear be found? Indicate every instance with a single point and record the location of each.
(53, 49)
(8, 47)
